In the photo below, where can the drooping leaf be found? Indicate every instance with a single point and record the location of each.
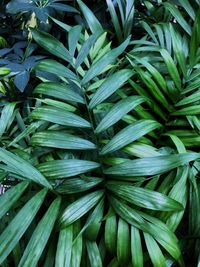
(17, 227)
(40, 236)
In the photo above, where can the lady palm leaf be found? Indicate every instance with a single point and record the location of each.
(117, 139)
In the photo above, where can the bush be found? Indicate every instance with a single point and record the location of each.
(99, 146)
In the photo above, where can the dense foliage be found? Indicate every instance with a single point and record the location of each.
(99, 133)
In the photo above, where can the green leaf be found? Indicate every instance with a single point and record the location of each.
(111, 84)
(94, 221)
(179, 193)
(85, 49)
(109, 58)
(111, 234)
(77, 185)
(40, 236)
(189, 99)
(77, 246)
(123, 237)
(92, 21)
(17, 227)
(144, 198)
(126, 136)
(151, 225)
(59, 116)
(155, 253)
(51, 44)
(94, 225)
(4, 71)
(6, 117)
(80, 207)
(115, 19)
(193, 110)
(178, 16)
(151, 166)
(64, 247)
(54, 67)
(172, 69)
(23, 168)
(8, 199)
(58, 169)
(136, 248)
(93, 254)
(59, 91)
(195, 40)
(118, 111)
(60, 140)
(73, 38)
